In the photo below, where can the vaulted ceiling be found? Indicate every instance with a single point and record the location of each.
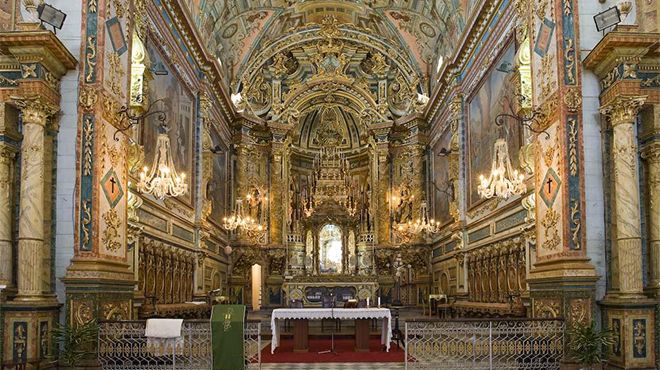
(425, 30)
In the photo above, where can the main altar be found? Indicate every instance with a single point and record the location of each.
(311, 289)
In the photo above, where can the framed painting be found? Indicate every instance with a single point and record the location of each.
(441, 186)
(178, 104)
(496, 94)
(217, 186)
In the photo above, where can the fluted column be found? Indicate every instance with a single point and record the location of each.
(628, 242)
(651, 154)
(6, 164)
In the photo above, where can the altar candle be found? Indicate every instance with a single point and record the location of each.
(367, 302)
(378, 302)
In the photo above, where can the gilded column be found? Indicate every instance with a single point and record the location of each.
(35, 114)
(6, 163)
(651, 155)
(628, 247)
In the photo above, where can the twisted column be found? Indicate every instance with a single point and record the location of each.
(628, 249)
(35, 114)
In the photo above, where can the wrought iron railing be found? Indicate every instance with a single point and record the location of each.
(123, 346)
(483, 344)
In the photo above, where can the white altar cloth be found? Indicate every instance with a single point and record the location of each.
(329, 313)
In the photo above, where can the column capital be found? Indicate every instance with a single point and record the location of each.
(7, 154)
(651, 152)
(35, 109)
(623, 109)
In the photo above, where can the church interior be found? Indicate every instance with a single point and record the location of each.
(423, 184)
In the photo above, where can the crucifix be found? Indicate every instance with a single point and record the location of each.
(549, 182)
(112, 184)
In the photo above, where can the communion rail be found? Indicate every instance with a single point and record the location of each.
(123, 346)
(484, 344)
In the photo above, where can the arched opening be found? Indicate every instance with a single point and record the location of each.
(330, 249)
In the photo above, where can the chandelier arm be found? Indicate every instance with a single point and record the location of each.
(521, 120)
(138, 119)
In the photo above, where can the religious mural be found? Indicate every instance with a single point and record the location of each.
(7, 11)
(178, 104)
(442, 188)
(496, 95)
(218, 186)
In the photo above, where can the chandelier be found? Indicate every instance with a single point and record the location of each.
(162, 179)
(503, 181)
(424, 225)
(330, 183)
(253, 229)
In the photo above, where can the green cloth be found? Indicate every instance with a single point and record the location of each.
(227, 323)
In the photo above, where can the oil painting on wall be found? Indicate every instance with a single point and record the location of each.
(178, 104)
(217, 186)
(441, 186)
(495, 95)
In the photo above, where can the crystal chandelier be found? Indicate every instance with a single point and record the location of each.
(424, 225)
(162, 180)
(253, 229)
(503, 181)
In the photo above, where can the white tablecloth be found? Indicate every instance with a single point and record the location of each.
(329, 313)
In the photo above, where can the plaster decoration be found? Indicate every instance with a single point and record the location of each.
(88, 98)
(580, 311)
(548, 308)
(549, 154)
(529, 204)
(115, 311)
(550, 222)
(576, 223)
(115, 76)
(92, 6)
(90, 59)
(110, 237)
(86, 221)
(572, 146)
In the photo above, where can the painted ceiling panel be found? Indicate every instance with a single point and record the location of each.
(428, 30)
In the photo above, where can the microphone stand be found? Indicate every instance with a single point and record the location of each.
(332, 335)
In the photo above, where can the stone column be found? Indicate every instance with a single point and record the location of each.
(35, 114)
(651, 154)
(6, 179)
(628, 246)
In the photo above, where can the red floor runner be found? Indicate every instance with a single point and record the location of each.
(344, 348)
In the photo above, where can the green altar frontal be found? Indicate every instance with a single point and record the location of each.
(227, 324)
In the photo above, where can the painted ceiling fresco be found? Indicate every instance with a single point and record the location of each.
(428, 30)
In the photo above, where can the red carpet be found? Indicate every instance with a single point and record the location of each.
(343, 346)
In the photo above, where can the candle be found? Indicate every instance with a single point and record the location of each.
(367, 302)
(378, 302)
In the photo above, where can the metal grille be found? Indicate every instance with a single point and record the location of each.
(123, 346)
(501, 344)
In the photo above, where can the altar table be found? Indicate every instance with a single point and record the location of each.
(330, 313)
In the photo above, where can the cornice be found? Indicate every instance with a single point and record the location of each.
(622, 44)
(28, 43)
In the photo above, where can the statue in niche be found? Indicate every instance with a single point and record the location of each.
(404, 204)
(328, 132)
(255, 203)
